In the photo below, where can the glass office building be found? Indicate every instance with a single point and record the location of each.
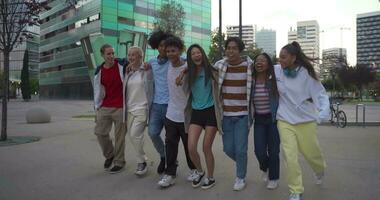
(63, 70)
(368, 39)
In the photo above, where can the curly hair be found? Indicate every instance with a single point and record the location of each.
(175, 42)
(156, 37)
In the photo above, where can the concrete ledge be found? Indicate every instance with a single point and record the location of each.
(37, 115)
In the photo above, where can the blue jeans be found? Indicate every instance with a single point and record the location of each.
(267, 145)
(235, 141)
(156, 124)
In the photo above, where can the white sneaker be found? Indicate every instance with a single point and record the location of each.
(166, 181)
(264, 176)
(319, 178)
(294, 196)
(192, 175)
(272, 184)
(239, 184)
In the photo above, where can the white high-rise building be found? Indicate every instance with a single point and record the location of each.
(332, 59)
(292, 35)
(248, 34)
(266, 40)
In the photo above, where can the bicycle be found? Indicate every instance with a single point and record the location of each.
(338, 116)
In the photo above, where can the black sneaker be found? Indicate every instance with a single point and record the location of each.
(108, 163)
(208, 183)
(116, 169)
(161, 166)
(197, 179)
(141, 169)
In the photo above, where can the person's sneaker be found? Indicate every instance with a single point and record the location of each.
(108, 163)
(197, 178)
(161, 166)
(141, 169)
(294, 196)
(319, 178)
(166, 181)
(239, 184)
(272, 184)
(264, 176)
(208, 183)
(192, 175)
(116, 169)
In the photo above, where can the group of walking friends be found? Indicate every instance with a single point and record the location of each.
(185, 96)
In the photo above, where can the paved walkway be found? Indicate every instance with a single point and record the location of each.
(67, 164)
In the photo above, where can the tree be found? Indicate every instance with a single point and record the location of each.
(15, 16)
(25, 84)
(214, 53)
(170, 19)
(252, 51)
(362, 77)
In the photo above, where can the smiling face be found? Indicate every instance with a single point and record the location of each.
(233, 52)
(161, 49)
(173, 53)
(261, 64)
(134, 57)
(286, 59)
(109, 56)
(196, 56)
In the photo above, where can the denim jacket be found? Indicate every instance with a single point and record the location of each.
(273, 100)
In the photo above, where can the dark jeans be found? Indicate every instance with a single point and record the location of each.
(267, 145)
(175, 131)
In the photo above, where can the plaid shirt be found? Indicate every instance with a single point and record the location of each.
(221, 66)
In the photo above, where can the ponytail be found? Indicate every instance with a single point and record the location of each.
(294, 48)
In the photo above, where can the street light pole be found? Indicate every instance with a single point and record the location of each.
(220, 31)
(240, 22)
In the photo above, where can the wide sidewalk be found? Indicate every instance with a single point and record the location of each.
(67, 164)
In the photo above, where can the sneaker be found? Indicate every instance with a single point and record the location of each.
(294, 196)
(108, 163)
(319, 178)
(116, 169)
(166, 181)
(272, 184)
(192, 175)
(264, 176)
(161, 166)
(197, 178)
(208, 183)
(239, 184)
(141, 169)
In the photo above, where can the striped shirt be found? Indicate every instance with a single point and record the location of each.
(261, 99)
(234, 90)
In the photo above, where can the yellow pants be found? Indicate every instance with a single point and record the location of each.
(302, 137)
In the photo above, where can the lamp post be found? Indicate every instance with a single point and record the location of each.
(240, 21)
(220, 31)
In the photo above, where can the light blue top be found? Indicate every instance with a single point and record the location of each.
(201, 94)
(161, 91)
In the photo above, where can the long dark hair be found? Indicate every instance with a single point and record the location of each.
(271, 76)
(192, 68)
(301, 59)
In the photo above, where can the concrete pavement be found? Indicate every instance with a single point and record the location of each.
(67, 164)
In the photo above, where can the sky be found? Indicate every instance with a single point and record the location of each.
(336, 18)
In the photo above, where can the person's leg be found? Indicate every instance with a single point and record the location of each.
(171, 145)
(309, 147)
(228, 137)
(260, 142)
(193, 137)
(289, 145)
(241, 145)
(210, 132)
(102, 129)
(273, 152)
(184, 136)
(120, 132)
(156, 124)
(136, 132)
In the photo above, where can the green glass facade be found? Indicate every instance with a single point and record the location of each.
(63, 71)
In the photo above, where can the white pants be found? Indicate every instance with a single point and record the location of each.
(136, 124)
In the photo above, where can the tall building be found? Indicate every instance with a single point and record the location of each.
(308, 38)
(292, 35)
(266, 40)
(368, 38)
(248, 34)
(63, 71)
(332, 59)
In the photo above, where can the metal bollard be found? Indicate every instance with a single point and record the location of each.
(357, 113)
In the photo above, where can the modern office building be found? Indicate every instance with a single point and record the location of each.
(368, 39)
(332, 59)
(63, 70)
(292, 35)
(266, 40)
(248, 33)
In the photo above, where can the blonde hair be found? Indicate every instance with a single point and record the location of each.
(138, 49)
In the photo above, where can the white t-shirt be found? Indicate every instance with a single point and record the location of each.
(178, 95)
(296, 94)
(136, 96)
